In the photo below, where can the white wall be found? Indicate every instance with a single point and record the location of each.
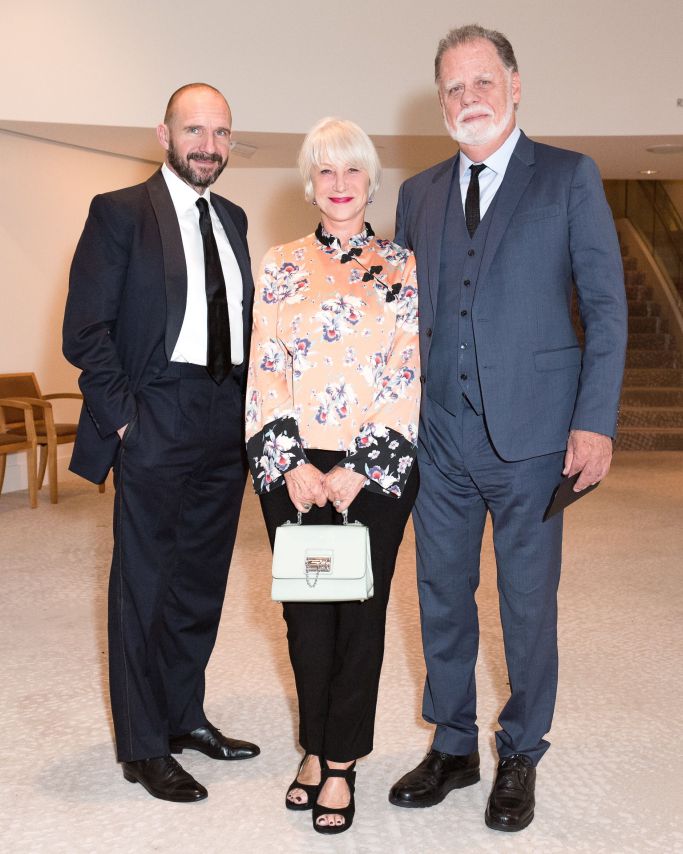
(588, 68)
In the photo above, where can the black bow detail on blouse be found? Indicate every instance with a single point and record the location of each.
(354, 252)
(371, 273)
(393, 292)
(329, 240)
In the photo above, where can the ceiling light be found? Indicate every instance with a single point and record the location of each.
(648, 172)
(243, 149)
(665, 148)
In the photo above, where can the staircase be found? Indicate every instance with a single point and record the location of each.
(651, 410)
(651, 416)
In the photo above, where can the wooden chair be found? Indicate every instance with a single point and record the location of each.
(12, 443)
(24, 386)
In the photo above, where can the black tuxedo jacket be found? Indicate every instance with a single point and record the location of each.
(126, 304)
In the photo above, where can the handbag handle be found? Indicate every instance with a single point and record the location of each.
(345, 517)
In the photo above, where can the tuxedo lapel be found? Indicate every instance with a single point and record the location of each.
(519, 172)
(436, 213)
(175, 268)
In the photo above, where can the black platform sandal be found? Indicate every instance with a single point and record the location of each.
(347, 813)
(311, 791)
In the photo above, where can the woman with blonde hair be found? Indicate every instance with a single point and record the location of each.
(332, 412)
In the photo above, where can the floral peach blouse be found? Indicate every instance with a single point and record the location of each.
(335, 359)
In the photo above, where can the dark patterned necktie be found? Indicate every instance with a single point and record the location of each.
(218, 361)
(472, 199)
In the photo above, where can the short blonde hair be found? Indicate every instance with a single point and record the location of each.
(337, 141)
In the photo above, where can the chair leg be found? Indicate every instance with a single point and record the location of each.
(52, 471)
(32, 478)
(42, 465)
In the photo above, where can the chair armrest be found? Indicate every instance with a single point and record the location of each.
(36, 401)
(71, 395)
(11, 403)
(48, 417)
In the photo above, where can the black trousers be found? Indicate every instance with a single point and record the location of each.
(179, 480)
(336, 648)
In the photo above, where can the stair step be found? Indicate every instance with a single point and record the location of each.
(649, 439)
(653, 359)
(638, 292)
(658, 416)
(653, 377)
(634, 277)
(641, 396)
(644, 324)
(643, 308)
(649, 341)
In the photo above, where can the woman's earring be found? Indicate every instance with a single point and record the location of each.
(370, 201)
(314, 203)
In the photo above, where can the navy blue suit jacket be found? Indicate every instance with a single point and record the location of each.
(126, 304)
(551, 227)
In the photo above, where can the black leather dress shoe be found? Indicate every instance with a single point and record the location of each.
(164, 778)
(211, 741)
(434, 778)
(511, 802)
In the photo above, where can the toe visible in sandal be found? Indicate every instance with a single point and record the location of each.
(346, 813)
(311, 791)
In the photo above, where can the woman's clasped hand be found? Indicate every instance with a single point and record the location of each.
(307, 486)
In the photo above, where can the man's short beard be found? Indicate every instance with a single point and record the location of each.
(481, 136)
(184, 170)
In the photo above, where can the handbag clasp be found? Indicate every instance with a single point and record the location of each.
(319, 563)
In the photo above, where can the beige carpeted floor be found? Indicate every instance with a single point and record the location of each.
(610, 782)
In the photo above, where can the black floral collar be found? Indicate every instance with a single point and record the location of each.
(355, 249)
(357, 241)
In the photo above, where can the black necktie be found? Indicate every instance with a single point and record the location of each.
(218, 361)
(472, 199)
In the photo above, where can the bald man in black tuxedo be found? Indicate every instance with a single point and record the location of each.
(158, 321)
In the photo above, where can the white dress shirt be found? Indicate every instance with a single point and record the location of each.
(490, 178)
(192, 341)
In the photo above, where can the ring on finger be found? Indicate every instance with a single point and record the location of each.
(307, 507)
(337, 502)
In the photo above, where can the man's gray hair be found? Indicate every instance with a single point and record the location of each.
(470, 33)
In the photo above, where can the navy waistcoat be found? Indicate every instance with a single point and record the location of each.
(452, 369)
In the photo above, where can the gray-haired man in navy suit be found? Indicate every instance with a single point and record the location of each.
(502, 232)
(158, 320)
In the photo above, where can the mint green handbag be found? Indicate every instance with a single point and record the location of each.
(322, 563)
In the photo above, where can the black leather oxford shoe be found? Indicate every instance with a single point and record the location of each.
(511, 802)
(164, 778)
(211, 741)
(434, 778)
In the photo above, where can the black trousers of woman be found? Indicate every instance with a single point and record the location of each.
(336, 648)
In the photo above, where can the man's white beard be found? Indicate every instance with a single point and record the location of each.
(472, 133)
